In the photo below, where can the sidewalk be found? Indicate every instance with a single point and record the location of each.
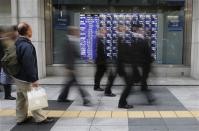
(176, 108)
(154, 81)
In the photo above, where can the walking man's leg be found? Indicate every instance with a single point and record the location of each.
(111, 78)
(145, 73)
(65, 91)
(100, 70)
(123, 98)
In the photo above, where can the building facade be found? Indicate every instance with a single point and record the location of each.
(175, 43)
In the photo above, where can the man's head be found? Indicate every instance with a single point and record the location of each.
(25, 30)
(139, 29)
(133, 27)
(102, 31)
(121, 28)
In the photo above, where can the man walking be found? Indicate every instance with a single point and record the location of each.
(100, 61)
(27, 77)
(8, 35)
(142, 58)
(71, 55)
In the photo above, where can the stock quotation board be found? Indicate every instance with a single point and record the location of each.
(89, 24)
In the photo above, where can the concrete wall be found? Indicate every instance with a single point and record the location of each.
(32, 12)
(195, 41)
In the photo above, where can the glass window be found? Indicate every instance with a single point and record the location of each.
(5, 7)
(5, 12)
(167, 42)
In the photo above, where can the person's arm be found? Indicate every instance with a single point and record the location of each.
(148, 52)
(28, 61)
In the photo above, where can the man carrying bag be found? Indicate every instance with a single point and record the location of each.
(27, 77)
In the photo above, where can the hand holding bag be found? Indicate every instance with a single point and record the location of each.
(37, 99)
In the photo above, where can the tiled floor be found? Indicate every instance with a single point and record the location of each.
(175, 109)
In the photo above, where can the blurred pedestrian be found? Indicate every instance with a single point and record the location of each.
(123, 63)
(141, 58)
(113, 66)
(8, 36)
(100, 61)
(27, 77)
(72, 53)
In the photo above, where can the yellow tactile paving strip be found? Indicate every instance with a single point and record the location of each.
(103, 114)
(168, 114)
(195, 113)
(111, 114)
(152, 114)
(55, 113)
(119, 114)
(135, 114)
(87, 114)
(7, 112)
(184, 114)
(71, 114)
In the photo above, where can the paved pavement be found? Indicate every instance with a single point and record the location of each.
(169, 81)
(176, 109)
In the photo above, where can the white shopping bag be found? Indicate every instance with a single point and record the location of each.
(37, 99)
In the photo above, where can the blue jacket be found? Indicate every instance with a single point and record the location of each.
(26, 54)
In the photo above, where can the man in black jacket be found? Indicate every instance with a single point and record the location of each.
(141, 55)
(27, 77)
(142, 58)
(100, 61)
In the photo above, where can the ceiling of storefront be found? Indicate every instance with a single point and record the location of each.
(122, 2)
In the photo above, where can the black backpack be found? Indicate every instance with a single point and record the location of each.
(9, 62)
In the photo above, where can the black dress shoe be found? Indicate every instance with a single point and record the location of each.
(98, 89)
(10, 98)
(61, 100)
(151, 100)
(87, 103)
(28, 119)
(125, 106)
(109, 94)
(46, 121)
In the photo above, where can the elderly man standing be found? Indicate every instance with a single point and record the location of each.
(27, 77)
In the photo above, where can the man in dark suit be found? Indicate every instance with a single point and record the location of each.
(141, 58)
(123, 63)
(141, 55)
(100, 61)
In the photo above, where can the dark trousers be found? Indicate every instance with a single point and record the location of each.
(72, 80)
(111, 77)
(145, 74)
(100, 71)
(128, 87)
(136, 76)
(7, 90)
